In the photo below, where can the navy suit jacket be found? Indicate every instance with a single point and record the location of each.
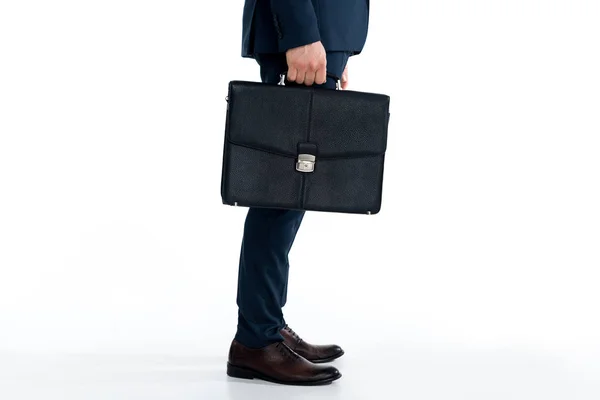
(275, 26)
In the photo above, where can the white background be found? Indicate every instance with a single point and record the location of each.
(479, 279)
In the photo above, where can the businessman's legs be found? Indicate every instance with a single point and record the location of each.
(268, 238)
(264, 347)
(263, 274)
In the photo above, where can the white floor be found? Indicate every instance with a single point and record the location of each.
(378, 372)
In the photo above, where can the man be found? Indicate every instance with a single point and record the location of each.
(308, 39)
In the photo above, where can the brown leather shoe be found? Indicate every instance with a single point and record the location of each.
(314, 353)
(277, 363)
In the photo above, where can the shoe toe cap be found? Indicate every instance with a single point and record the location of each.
(329, 372)
(332, 351)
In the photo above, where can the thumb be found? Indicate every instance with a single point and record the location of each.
(345, 78)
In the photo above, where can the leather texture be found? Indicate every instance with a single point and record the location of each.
(268, 126)
(316, 353)
(277, 363)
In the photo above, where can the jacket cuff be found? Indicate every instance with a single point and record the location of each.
(295, 22)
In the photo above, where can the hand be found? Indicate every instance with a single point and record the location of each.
(345, 82)
(307, 64)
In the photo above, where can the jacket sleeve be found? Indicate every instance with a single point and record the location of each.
(295, 22)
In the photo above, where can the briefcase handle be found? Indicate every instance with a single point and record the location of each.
(338, 82)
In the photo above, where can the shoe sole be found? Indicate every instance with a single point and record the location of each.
(247, 373)
(327, 360)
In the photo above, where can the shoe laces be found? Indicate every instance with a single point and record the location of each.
(294, 334)
(286, 351)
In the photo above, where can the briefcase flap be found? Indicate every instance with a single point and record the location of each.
(276, 119)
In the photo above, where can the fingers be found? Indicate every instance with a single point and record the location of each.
(321, 75)
(316, 73)
(300, 77)
(312, 75)
(292, 74)
(310, 78)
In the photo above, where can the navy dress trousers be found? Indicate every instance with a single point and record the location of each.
(271, 27)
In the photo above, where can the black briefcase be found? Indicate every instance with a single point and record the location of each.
(304, 148)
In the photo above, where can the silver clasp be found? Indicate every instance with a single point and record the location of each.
(305, 163)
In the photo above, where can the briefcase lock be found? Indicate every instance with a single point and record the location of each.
(306, 163)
